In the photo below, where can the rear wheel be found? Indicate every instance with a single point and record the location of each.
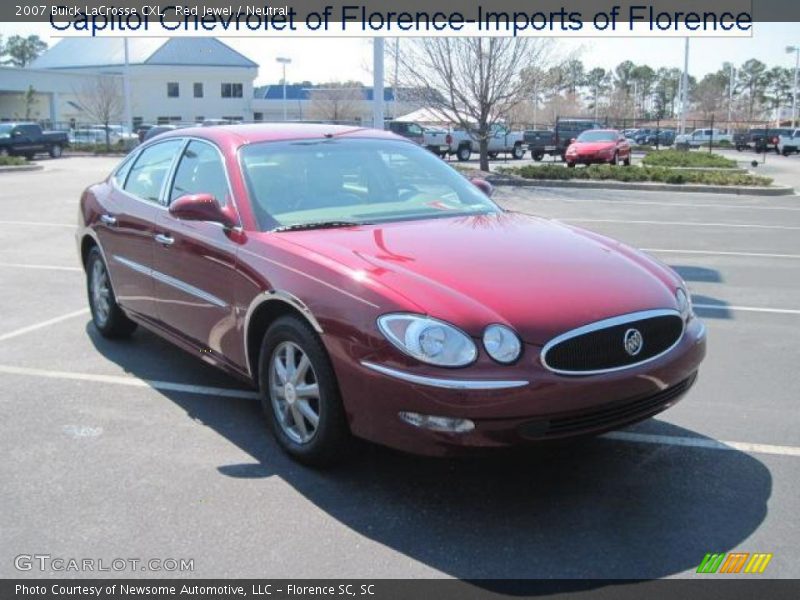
(463, 153)
(614, 161)
(55, 151)
(300, 396)
(537, 156)
(106, 314)
(627, 161)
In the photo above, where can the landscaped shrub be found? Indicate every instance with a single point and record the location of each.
(633, 174)
(677, 158)
(12, 161)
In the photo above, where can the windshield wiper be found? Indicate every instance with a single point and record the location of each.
(319, 225)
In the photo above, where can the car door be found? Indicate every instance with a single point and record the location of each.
(23, 140)
(127, 225)
(196, 260)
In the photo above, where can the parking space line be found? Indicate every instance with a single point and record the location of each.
(43, 267)
(721, 253)
(622, 436)
(38, 224)
(34, 327)
(130, 381)
(724, 307)
(690, 442)
(682, 223)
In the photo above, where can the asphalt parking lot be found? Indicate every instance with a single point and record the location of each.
(136, 450)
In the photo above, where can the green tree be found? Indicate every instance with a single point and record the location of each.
(668, 82)
(22, 51)
(598, 82)
(574, 76)
(751, 79)
(778, 84)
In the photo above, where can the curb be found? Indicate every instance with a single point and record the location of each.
(11, 169)
(644, 187)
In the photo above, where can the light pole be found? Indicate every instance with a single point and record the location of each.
(796, 51)
(284, 61)
(377, 83)
(730, 96)
(685, 86)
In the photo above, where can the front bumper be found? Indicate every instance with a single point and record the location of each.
(513, 405)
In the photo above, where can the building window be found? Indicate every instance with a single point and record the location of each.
(173, 89)
(258, 116)
(198, 90)
(199, 119)
(236, 119)
(232, 90)
(168, 120)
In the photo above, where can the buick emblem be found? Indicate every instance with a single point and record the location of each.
(633, 342)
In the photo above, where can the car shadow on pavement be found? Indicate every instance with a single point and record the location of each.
(694, 273)
(592, 509)
(707, 307)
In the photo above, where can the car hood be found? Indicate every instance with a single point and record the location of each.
(586, 147)
(538, 276)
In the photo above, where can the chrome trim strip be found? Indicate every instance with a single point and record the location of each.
(275, 296)
(605, 324)
(449, 384)
(172, 281)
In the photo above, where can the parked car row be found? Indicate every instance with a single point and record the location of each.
(763, 140)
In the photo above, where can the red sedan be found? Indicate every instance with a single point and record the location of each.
(367, 289)
(599, 146)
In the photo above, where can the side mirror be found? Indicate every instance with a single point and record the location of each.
(202, 207)
(483, 185)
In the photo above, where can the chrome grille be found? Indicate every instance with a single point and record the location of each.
(601, 347)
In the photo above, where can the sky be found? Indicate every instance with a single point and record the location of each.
(341, 59)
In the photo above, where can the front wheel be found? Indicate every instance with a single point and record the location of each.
(299, 394)
(107, 316)
(570, 165)
(518, 152)
(627, 162)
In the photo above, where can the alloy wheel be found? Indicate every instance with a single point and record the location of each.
(101, 292)
(294, 392)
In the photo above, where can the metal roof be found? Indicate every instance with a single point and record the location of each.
(76, 53)
(298, 91)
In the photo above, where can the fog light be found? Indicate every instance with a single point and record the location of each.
(447, 424)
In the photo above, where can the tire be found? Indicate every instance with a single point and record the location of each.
(56, 151)
(518, 152)
(614, 161)
(30, 156)
(627, 162)
(463, 153)
(288, 413)
(493, 155)
(570, 165)
(537, 156)
(107, 316)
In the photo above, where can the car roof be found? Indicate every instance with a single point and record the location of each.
(601, 131)
(241, 134)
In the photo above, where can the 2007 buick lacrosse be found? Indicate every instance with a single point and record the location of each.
(367, 289)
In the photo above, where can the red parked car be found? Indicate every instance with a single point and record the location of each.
(599, 146)
(367, 289)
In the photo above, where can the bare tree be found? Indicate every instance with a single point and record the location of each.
(475, 81)
(336, 101)
(101, 99)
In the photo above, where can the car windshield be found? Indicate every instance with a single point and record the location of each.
(597, 136)
(354, 181)
(6, 128)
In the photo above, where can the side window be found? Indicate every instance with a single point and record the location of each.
(151, 167)
(414, 129)
(200, 172)
(122, 171)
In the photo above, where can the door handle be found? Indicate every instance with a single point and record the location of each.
(108, 219)
(164, 240)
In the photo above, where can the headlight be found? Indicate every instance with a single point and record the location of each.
(684, 304)
(429, 340)
(502, 343)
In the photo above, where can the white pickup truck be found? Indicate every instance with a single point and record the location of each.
(460, 142)
(789, 144)
(701, 136)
